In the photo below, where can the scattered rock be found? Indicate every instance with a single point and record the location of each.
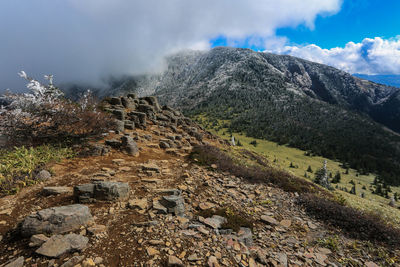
(206, 205)
(213, 262)
(215, 221)
(56, 220)
(88, 263)
(286, 223)
(58, 245)
(138, 204)
(246, 236)
(152, 251)
(43, 175)
(174, 262)
(97, 229)
(18, 262)
(73, 261)
(38, 240)
(174, 204)
(269, 220)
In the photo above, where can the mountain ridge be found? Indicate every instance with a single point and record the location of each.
(284, 99)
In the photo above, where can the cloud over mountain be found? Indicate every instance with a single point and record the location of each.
(87, 40)
(371, 56)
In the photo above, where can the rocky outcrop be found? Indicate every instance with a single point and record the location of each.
(101, 190)
(56, 220)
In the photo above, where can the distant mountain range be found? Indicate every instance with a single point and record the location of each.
(285, 99)
(390, 80)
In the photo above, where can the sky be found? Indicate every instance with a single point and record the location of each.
(88, 41)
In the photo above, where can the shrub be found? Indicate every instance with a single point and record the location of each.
(355, 223)
(207, 155)
(43, 115)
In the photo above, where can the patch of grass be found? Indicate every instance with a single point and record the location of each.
(331, 242)
(19, 166)
(234, 219)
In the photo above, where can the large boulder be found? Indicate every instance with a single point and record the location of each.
(56, 220)
(101, 190)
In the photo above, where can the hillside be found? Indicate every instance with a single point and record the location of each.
(162, 191)
(287, 100)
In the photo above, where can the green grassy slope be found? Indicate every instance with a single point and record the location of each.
(282, 157)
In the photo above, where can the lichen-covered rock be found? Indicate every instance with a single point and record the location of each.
(56, 220)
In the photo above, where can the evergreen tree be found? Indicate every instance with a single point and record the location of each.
(254, 143)
(309, 169)
(353, 190)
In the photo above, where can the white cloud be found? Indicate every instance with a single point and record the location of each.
(371, 56)
(85, 40)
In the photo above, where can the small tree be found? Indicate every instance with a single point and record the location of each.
(321, 177)
(309, 169)
(254, 143)
(353, 190)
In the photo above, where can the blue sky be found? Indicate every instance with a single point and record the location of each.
(356, 20)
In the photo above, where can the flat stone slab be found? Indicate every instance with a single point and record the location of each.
(56, 220)
(58, 245)
(56, 190)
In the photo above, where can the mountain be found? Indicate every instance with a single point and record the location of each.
(284, 99)
(391, 80)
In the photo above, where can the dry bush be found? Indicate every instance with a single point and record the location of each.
(207, 155)
(44, 116)
(353, 222)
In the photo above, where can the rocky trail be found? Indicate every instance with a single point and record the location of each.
(138, 200)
